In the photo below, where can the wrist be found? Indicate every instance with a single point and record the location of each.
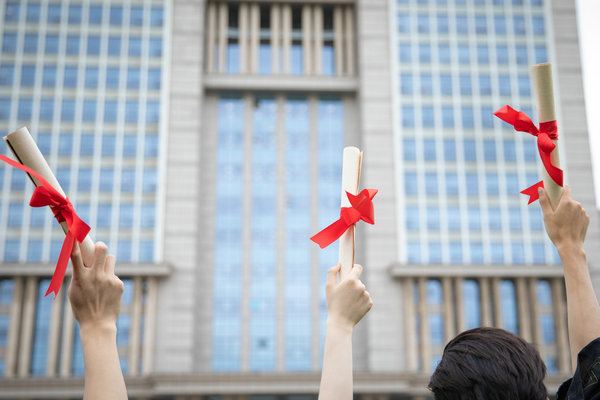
(98, 329)
(570, 249)
(339, 324)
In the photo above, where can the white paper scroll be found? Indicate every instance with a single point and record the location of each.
(352, 161)
(543, 88)
(27, 153)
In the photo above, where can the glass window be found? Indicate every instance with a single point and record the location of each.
(110, 110)
(403, 22)
(136, 16)
(451, 184)
(46, 109)
(156, 16)
(535, 219)
(30, 44)
(406, 83)
(408, 116)
(33, 12)
(104, 215)
(424, 53)
(480, 24)
(151, 145)
(472, 184)
(128, 180)
(95, 15)
(539, 253)
(510, 152)
(89, 110)
(108, 145)
(114, 45)
(530, 150)
(467, 117)
(93, 45)
(87, 144)
(518, 253)
(476, 249)
(423, 23)
(133, 78)
(149, 180)
(74, 13)
(6, 75)
(148, 215)
(65, 146)
(426, 84)
(444, 53)
(524, 85)
(152, 112)
(463, 54)
(129, 145)
(116, 15)
(446, 84)
(404, 52)
(454, 220)
(11, 12)
(462, 24)
(25, 109)
(504, 85)
(408, 149)
(72, 44)
(541, 55)
(49, 76)
(485, 85)
(429, 149)
(500, 24)
(470, 150)
(433, 218)
(427, 116)
(413, 250)
(447, 116)
(431, 183)
(442, 23)
(70, 78)
(131, 111)
(483, 54)
(489, 150)
(106, 177)
(91, 77)
(9, 43)
(412, 218)
(54, 13)
(125, 215)
(410, 183)
(67, 110)
(112, 78)
(514, 219)
(495, 219)
(521, 55)
(155, 47)
(449, 150)
(512, 184)
(519, 25)
(502, 54)
(471, 304)
(491, 183)
(15, 213)
(465, 84)
(135, 46)
(27, 75)
(497, 253)
(435, 257)
(487, 117)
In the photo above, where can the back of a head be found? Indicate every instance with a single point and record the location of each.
(489, 364)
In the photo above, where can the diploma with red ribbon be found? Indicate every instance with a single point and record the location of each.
(49, 193)
(354, 207)
(547, 133)
(361, 209)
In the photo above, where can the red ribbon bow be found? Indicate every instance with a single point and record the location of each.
(361, 209)
(46, 195)
(545, 136)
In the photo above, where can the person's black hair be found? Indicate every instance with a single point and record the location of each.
(489, 364)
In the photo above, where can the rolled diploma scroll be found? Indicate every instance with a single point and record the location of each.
(351, 164)
(27, 153)
(541, 80)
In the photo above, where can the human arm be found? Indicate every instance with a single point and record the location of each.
(567, 227)
(95, 295)
(347, 302)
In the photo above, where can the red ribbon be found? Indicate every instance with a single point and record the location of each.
(47, 195)
(545, 136)
(361, 209)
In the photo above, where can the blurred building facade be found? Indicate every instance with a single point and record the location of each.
(202, 142)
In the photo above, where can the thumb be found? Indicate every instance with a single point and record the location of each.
(76, 261)
(545, 201)
(332, 274)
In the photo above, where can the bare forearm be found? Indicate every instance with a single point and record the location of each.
(336, 377)
(582, 306)
(103, 376)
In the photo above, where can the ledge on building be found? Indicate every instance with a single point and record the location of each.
(294, 83)
(398, 270)
(123, 269)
